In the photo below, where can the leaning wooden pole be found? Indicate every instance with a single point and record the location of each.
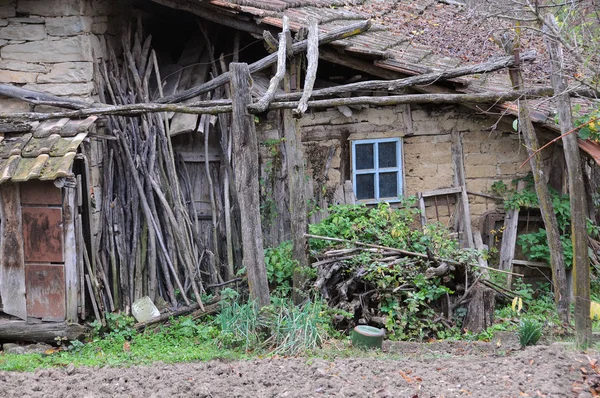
(581, 261)
(557, 258)
(245, 173)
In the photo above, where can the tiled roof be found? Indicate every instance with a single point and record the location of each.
(45, 153)
(386, 50)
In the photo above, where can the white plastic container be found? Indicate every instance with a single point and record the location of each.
(144, 309)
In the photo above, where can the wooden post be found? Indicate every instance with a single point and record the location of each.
(296, 188)
(462, 205)
(581, 265)
(70, 253)
(245, 173)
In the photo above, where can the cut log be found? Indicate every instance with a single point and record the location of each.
(480, 310)
(11, 331)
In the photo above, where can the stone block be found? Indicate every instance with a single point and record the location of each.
(475, 159)
(69, 72)
(51, 8)
(3, 22)
(13, 105)
(63, 88)
(479, 184)
(28, 20)
(68, 26)
(74, 49)
(3, 42)
(8, 8)
(26, 32)
(11, 76)
(20, 66)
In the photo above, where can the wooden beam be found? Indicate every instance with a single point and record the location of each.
(245, 161)
(70, 254)
(462, 205)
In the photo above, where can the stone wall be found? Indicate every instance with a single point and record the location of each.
(49, 46)
(489, 154)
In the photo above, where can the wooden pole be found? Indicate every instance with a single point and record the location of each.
(245, 173)
(581, 264)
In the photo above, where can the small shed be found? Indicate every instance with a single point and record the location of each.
(40, 222)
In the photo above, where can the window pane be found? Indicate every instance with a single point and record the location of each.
(388, 185)
(387, 154)
(364, 156)
(365, 186)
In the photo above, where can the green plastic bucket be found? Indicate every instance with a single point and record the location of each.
(367, 337)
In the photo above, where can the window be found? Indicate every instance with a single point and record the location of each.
(377, 169)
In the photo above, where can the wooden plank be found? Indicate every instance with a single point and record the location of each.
(509, 239)
(441, 191)
(526, 263)
(245, 161)
(46, 294)
(478, 241)
(70, 253)
(464, 212)
(12, 262)
(40, 193)
(197, 157)
(43, 234)
(80, 266)
(349, 197)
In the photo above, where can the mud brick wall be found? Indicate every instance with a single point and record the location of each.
(489, 154)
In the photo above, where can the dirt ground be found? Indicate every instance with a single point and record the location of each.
(444, 369)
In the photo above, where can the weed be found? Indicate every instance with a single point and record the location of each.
(529, 332)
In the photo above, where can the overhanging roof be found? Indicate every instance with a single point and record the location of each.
(46, 152)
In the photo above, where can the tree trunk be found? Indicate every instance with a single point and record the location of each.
(581, 266)
(245, 173)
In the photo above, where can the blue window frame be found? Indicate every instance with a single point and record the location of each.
(377, 170)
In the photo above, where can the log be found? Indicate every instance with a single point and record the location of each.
(245, 161)
(207, 310)
(142, 108)
(39, 98)
(344, 32)
(11, 331)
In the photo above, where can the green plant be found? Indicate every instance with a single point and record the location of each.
(529, 332)
(280, 266)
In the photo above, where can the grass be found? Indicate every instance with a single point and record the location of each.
(169, 345)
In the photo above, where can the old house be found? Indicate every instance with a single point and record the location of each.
(96, 212)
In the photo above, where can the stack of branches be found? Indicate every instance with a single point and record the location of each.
(386, 286)
(148, 243)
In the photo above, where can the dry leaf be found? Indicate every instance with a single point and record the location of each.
(531, 362)
(127, 346)
(405, 377)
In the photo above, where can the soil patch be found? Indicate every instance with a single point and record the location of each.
(443, 369)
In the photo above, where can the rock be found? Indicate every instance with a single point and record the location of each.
(10, 76)
(38, 348)
(23, 32)
(22, 66)
(69, 72)
(62, 88)
(68, 26)
(70, 369)
(76, 48)
(53, 8)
